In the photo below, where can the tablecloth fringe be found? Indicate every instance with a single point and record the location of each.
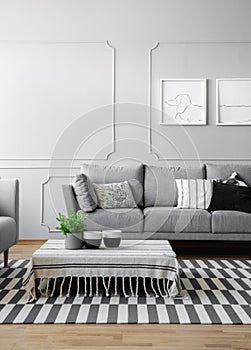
(159, 287)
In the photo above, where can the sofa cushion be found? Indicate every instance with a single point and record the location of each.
(224, 171)
(172, 219)
(104, 174)
(126, 219)
(137, 190)
(228, 221)
(160, 187)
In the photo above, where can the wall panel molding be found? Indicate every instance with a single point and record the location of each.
(42, 201)
(112, 101)
(78, 167)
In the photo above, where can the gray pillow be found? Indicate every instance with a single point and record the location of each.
(115, 195)
(83, 196)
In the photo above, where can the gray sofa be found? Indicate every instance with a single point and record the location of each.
(157, 216)
(9, 215)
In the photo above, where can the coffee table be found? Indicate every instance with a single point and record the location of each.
(134, 262)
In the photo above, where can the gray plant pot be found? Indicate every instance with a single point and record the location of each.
(74, 240)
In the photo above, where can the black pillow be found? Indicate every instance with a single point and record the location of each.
(230, 197)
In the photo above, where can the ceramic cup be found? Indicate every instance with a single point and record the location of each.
(92, 239)
(112, 238)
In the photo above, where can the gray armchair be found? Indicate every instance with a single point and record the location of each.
(9, 215)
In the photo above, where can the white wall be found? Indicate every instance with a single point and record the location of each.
(40, 108)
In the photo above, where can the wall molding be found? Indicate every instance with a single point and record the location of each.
(150, 78)
(150, 97)
(42, 207)
(113, 97)
(45, 167)
(39, 167)
(202, 42)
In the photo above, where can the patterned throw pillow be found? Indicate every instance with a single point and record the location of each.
(115, 195)
(235, 179)
(194, 193)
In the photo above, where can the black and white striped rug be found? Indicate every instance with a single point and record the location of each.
(214, 292)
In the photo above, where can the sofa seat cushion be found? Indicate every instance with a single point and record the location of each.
(227, 221)
(172, 219)
(126, 219)
(7, 232)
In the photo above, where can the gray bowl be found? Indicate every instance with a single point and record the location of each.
(92, 239)
(112, 238)
(112, 242)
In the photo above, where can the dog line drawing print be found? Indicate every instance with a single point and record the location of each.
(184, 107)
(183, 102)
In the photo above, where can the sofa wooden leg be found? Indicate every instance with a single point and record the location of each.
(6, 257)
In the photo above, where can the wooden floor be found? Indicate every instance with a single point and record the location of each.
(116, 337)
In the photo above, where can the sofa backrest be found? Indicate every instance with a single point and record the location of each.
(160, 186)
(102, 174)
(223, 171)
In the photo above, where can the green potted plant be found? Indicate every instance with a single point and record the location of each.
(72, 228)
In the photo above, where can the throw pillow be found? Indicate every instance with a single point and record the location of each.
(235, 179)
(194, 193)
(115, 195)
(230, 197)
(83, 195)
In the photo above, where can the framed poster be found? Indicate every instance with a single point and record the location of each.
(183, 101)
(233, 101)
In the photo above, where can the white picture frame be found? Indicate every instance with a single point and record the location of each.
(233, 101)
(183, 101)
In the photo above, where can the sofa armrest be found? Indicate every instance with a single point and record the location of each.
(70, 199)
(9, 200)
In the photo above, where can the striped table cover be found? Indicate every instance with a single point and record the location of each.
(152, 259)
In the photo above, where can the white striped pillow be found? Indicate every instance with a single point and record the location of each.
(194, 194)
